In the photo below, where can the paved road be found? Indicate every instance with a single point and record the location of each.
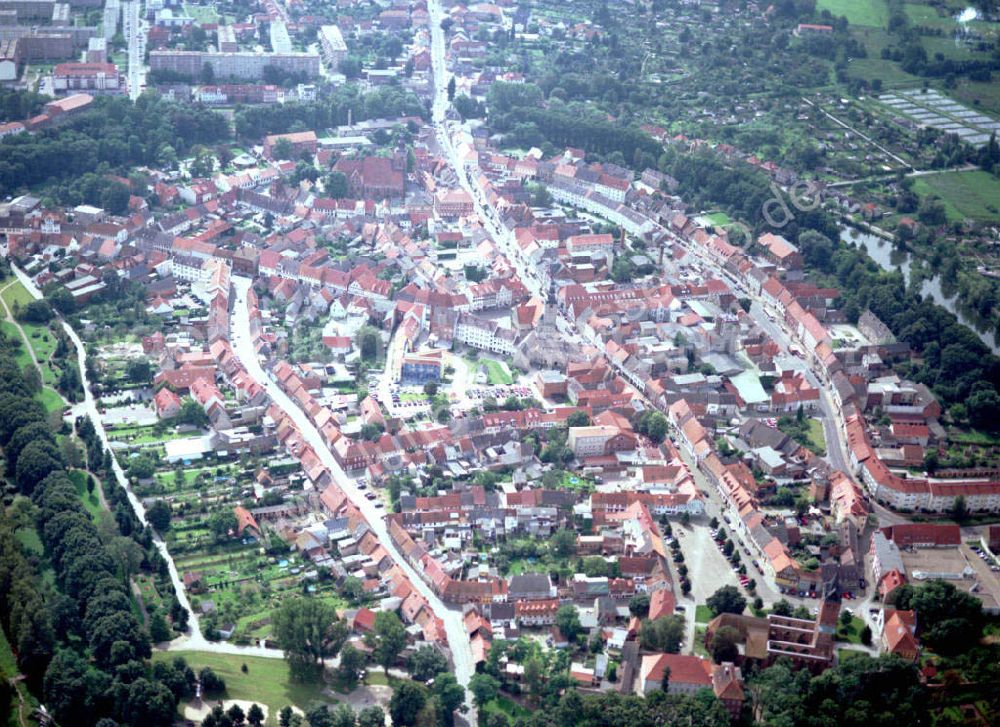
(194, 639)
(892, 176)
(486, 213)
(836, 454)
(458, 640)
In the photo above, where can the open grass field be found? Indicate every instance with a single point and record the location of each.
(973, 436)
(50, 399)
(928, 16)
(950, 49)
(11, 331)
(703, 614)
(266, 681)
(965, 194)
(889, 72)
(816, 434)
(718, 218)
(91, 501)
(15, 293)
(41, 340)
(202, 13)
(139, 435)
(858, 12)
(497, 373)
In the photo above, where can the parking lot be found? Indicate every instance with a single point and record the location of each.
(498, 392)
(708, 568)
(960, 566)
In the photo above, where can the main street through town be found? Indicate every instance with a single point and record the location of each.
(712, 570)
(242, 342)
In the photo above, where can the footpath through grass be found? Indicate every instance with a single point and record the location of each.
(19, 695)
(16, 293)
(91, 500)
(266, 681)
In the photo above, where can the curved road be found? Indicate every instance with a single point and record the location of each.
(242, 342)
(194, 640)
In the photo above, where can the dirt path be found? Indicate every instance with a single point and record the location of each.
(24, 337)
(98, 487)
(15, 682)
(136, 591)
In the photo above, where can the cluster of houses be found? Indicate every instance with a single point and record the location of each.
(404, 253)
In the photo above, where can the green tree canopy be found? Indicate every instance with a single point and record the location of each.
(308, 631)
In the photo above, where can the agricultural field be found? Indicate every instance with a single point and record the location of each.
(980, 95)
(858, 12)
(974, 194)
(927, 15)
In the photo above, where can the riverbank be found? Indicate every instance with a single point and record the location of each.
(880, 248)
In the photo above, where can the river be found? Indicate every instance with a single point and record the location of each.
(889, 258)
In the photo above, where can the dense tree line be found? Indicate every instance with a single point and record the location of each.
(78, 642)
(17, 106)
(516, 109)
(611, 709)
(948, 619)
(113, 135)
(253, 122)
(549, 688)
(857, 692)
(955, 363)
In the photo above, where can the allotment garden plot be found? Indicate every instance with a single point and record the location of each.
(932, 109)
